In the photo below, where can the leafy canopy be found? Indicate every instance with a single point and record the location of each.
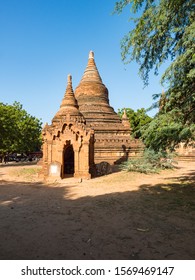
(138, 120)
(19, 131)
(165, 30)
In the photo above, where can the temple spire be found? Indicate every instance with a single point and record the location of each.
(92, 95)
(69, 99)
(69, 104)
(91, 73)
(125, 120)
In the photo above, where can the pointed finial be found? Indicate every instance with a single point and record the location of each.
(69, 79)
(91, 54)
(124, 114)
(45, 125)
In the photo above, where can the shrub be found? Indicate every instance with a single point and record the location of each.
(150, 162)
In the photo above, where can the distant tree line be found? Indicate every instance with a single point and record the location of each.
(19, 131)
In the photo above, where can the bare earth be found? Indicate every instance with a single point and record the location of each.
(118, 216)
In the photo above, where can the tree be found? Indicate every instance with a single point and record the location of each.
(165, 30)
(163, 132)
(137, 120)
(19, 131)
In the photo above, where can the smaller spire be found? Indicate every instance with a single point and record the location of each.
(124, 114)
(69, 106)
(69, 89)
(45, 125)
(125, 120)
(69, 99)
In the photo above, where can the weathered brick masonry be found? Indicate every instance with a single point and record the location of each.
(86, 135)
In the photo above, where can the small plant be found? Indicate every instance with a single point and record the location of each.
(150, 162)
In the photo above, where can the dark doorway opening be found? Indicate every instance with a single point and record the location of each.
(68, 161)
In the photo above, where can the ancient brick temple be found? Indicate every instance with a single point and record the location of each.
(86, 136)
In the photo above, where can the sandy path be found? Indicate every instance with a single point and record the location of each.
(119, 216)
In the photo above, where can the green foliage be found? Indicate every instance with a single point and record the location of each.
(19, 132)
(159, 33)
(165, 30)
(150, 162)
(137, 120)
(165, 131)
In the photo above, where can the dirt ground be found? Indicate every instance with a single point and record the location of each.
(119, 216)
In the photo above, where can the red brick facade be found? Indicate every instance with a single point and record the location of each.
(86, 135)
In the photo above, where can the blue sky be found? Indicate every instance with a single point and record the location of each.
(42, 41)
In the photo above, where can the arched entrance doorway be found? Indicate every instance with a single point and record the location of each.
(68, 167)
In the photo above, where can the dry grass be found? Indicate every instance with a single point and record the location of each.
(24, 172)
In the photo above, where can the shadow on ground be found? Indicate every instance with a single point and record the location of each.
(43, 222)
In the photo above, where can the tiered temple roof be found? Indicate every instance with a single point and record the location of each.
(92, 97)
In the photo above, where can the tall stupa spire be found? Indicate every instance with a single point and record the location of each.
(92, 96)
(91, 72)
